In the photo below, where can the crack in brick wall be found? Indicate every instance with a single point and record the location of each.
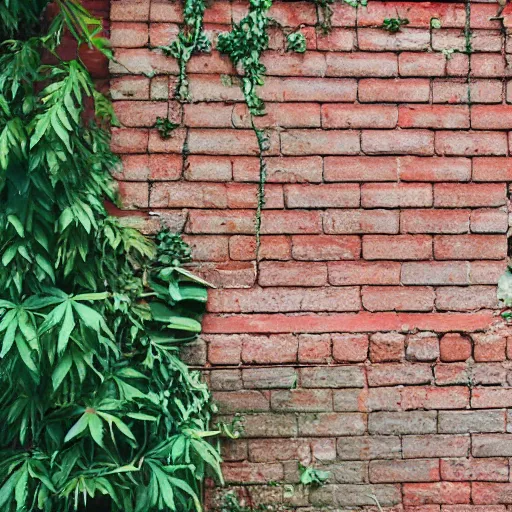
(367, 341)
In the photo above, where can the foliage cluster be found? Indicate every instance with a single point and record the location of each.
(96, 406)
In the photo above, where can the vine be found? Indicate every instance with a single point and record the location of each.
(97, 409)
(191, 39)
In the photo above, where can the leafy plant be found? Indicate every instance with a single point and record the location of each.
(324, 12)
(313, 476)
(394, 25)
(191, 39)
(435, 23)
(96, 406)
(231, 503)
(296, 42)
(165, 127)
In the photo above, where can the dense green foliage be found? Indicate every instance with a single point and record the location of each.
(94, 399)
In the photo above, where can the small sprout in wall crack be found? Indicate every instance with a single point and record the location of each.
(394, 25)
(165, 127)
(448, 53)
(312, 476)
(435, 23)
(374, 498)
(296, 42)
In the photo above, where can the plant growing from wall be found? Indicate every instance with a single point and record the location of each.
(97, 409)
(191, 39)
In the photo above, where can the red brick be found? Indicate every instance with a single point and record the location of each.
(301, 400)
(436, 493)
(322, 196)
(161, 34)
(314, 348)
(361, 64)
(455, 347)
(208, 248)
(471, 143)
(272, 247)
(436, 446)
(399, 374)
(491, 398)
(421, 64)
(462, 195)
(160, 88)
(433, 116)
(129, 140)
(213, 222)
(492, 169)
(331, 424)
(188, 195)
(398, 247)
(434, 221)
(309, 89)
(400, 90)
(325, 247)
(126, 10)
(284, 300)
(142, 61)
(292, 274)
(489, 65)
(350, 348)
(361, 221)
(414, 168)
(458, 91)
(290, 222)
(448, 40)
(404, 471)
(174, 144)
(208, 115)
(412, 142)
(363, 272)
(487, 493)
(286, 115)
(288, 64)
(314, 142)
(224, 349)
(473, 421)
(360, 168)
(396, 423)
(164, 167)
(269, 349)
(208, 168)
(448, 374)
(245, 195)
(459, 247)
(337, 40)
(134, 194)
(359, 116)
(387, 347)
(229, 274)
(212, 88)
(240, 401)
(491, 117)
(248, 472)
(474, 508)
(489, 347)
(128, 35)
(466, 298)
(486, 272)
(376, 39)
(399, 298)
(129, 88)
(489, 221)
(395, 195)
(332, 377)
(414, 397)
(279, 169)
(134, 168)
(423, 346)
(227, 142)
(271, 450)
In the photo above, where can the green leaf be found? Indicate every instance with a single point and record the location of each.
(96, 428)
(25, 353)
(61, 370)
(184, 324)
(8, 488)
(67, 327)
(8, 340)
(18, 226)
(77, 428)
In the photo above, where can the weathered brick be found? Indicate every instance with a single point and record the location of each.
(486, 493)
(332, 424)
(433, 116)
(489, 221)
(314, 348)
(292, 274)
(363, 272)
(413, 168)
(471, 143)
(272, 349)
(399, 298)
(240, 401)
(474, 469)
(277, 222)
(376, 39)
(325, 247)
(455, 347)
(369, 447)
(436, 493)
(435, 398)
(489, 346)
(422, 347)
(492, 445)
(422, 470)
(350, 347)
(395, 195)
(248, 472)
(459, 247)
(361, 64)
(272, 450)
(361, 168)
(387, 347)
(400, 90)
(397, 374)
(436, 446)
(409, 142)
(359, 116)
(322, 196)
(398, 423)
(332, 377)
(466, 298)
(268, 378)
(361, 221)
(319, 142)
(435, 273)
(458, 91)
(447, 195)
(128, 35)
(398, 247)
(421, 64)
(434, 221)
(461, 422)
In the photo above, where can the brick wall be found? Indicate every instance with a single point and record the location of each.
(363, 340)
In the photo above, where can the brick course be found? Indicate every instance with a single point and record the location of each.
(365, 336)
